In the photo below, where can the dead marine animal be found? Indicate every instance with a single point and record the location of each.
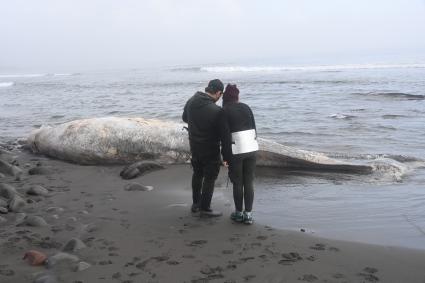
(118, 140)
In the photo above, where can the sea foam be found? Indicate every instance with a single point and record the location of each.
(230, 69)
(6, 84)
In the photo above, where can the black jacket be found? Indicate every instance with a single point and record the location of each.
(207, 127)
(239, 117)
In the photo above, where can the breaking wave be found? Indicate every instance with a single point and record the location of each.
(232, 69)
(6, 84)
(342, 116)
(396, 95)
(385, 166)
(37, 75)
(23, 75)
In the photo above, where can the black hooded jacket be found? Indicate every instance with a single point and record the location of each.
(239, 117)
(207, 125)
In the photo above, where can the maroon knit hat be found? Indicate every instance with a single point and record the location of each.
(231, 94)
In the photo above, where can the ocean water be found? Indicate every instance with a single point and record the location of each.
(373, 113)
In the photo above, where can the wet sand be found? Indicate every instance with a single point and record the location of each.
(150, 235)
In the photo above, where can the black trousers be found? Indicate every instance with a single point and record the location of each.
(242, 174)
(205, 172)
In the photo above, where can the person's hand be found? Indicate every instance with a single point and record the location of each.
(225, 164)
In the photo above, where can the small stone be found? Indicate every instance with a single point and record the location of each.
(116, 275)
(81, 266)
(73, 245)
(17, 203)
(19, 217)
(3, 210)
(46, 278)
(60, 258)
(137, 187)
(302, 230)
(7, 191)
(54, 209)
(39, 171)
(37, 190)
(35, 221)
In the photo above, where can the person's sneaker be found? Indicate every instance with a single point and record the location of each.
(237, 216)
(210, 213)
(195, 208)
(247, 218)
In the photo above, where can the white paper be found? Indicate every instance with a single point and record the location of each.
(244, 142)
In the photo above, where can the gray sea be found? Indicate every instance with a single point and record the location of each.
(372, 113)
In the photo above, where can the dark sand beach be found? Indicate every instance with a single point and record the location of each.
(137, 235)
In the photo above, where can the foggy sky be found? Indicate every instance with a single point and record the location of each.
(125, 33)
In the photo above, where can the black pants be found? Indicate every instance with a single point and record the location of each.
(242, 173)
(205, 172)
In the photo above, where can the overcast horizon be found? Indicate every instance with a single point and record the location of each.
(78, 35)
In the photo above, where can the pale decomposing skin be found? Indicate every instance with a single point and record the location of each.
(119, 140)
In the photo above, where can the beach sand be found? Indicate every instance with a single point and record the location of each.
(151, 236)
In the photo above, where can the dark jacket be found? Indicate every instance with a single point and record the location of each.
(239, 117)
(207, 127)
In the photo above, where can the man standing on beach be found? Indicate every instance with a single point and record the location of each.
(207, 128)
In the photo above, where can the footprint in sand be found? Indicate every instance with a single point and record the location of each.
(338, 276)
(318, 247)
(142, 265)
(308, 278)
(197, 243)
(333, 249)
(262, 238)
(290, 258)
(248, 277)
(7, 272)
(369, 274)
(188, 256)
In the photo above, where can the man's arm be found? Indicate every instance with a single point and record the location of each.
(225, 137)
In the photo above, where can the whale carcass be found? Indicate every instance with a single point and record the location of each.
(118, 140)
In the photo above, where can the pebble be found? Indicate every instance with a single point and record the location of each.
(82, 265)
(137, 187)
(54, 209)
(3, 210)
(10, 169)
(46, 278)
(60, 258)
(35, 221)
(39, 171)
(17, 203)
(20, 217)
(73, 245)
(7, 191)
(37, 190)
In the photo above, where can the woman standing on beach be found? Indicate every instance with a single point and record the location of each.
(240, 153)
